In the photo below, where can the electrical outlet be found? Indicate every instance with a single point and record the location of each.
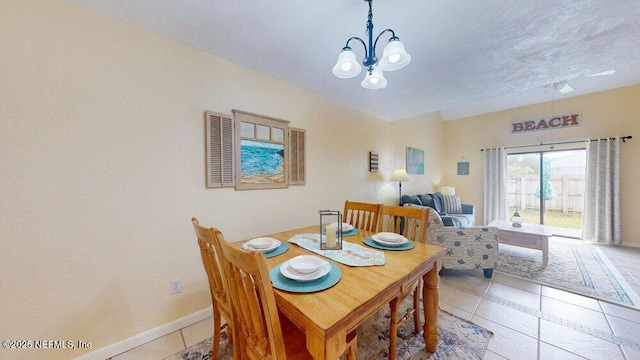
(175, 286)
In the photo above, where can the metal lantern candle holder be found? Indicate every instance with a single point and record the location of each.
(516, 219)
(330, 234)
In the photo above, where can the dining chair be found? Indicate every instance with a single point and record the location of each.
(363, 216)
(260, 330)
(213, 268)
(411, 223)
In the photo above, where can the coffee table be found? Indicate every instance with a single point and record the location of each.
(531, 236)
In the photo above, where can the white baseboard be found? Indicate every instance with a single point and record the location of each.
(630, 244)
(147, 336)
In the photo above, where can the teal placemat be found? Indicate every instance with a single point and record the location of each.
(284, 246)
(284, 283)
(406, 246)
(351, 232)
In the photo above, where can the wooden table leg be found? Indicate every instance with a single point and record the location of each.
(393, 329)
(431, 305)
(545, 250)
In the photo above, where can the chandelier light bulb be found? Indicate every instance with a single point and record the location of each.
(346, 66)
(394, 58)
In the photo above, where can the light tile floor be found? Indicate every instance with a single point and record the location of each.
(532, 321)
(529, 321)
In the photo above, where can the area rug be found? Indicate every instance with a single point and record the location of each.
(459, 339)
(580, 268)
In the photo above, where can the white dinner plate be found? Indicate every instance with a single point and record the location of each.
(274, 244)
(377, 239)
(287, 271)
(260, 243)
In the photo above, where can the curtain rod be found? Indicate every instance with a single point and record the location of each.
(623, 138)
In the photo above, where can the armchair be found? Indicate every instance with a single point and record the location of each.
(471, 248)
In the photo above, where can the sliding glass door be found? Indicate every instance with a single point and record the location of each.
(547, 187)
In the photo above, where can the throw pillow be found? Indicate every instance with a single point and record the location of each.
(428, 200)
(411, 199)
(437, 198)
(451, 204)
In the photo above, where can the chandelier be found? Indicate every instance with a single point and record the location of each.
(394, 57)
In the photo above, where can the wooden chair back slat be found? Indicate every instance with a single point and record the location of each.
(363, 216)
(410, 222)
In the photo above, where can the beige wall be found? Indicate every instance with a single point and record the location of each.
(604, 114)
(102, 161)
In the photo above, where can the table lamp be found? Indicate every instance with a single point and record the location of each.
(447, 190)
(400, 175)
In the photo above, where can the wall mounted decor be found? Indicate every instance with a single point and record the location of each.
(415, 161)
(373, 161)
(297, 145)
(463, 167)
(220, 150)
(552, 122)
(262, 143)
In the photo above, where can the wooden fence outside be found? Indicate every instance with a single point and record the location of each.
(569, 190)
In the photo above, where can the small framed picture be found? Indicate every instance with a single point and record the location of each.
(463, 168)
(415, 161)
(373, 161)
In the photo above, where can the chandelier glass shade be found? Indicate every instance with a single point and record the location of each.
(347, 65)
(374, 80)
(394, 57)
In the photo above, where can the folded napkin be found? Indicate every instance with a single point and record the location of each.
(351, 254)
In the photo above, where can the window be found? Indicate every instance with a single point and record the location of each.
(548, 187)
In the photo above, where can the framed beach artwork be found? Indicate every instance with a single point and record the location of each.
(262, 144)
(415, 161)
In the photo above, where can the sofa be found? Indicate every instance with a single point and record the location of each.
(462, 216)
(470, 248)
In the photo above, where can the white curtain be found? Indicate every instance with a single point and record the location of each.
(495, 185)
(602, 198)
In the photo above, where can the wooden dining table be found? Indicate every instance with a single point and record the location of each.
(327, 316)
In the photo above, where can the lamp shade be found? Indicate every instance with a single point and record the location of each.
(394, 57)
(448, 190)
(400, 175)
(347, 66)
(374, 80)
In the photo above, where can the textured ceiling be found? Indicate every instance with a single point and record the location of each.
(468, 57)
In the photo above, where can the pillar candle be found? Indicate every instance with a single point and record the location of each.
(331, 235)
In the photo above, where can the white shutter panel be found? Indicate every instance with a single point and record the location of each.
(220, 150)
(297, 146)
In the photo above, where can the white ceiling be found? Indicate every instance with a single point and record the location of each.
(469, 57)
